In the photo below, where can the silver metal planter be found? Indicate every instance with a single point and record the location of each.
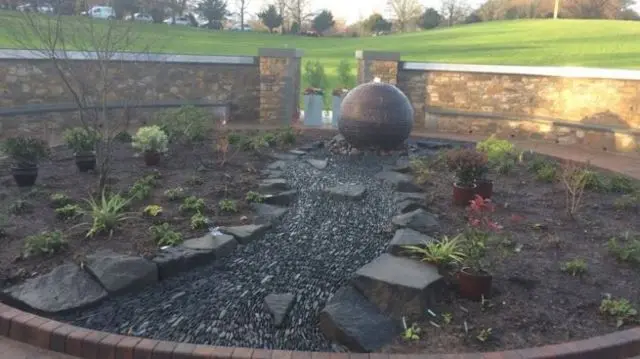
(313, 105)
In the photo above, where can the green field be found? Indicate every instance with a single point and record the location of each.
(595, 43)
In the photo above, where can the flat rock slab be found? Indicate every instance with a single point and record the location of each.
(433, 145)
(284, 156)
(266, 213)
(282, 198)
(312, 146)
(399, 181)
(346, 191)
(407, 237)
(298, 152)
(409, 205)
(407, 196)
(173, 260)
(218, 246)
(272, 173)
(65, 287)
(279, 306)
(351, 320)
(119, 272)
(319, 164)
(402, 165)
(247, 233)
(273, 184)
(277, 165)
(399, 286)
(419, 220)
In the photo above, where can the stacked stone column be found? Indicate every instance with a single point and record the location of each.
(279, 85)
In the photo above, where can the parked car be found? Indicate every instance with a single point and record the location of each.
(140, 17)
(237, 28)
(42, 8)
(102, 12)
(179, 20)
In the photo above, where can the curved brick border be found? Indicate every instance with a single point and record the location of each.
(91, 344)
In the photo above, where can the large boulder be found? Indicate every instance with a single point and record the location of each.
(65, 287)
(119, 272)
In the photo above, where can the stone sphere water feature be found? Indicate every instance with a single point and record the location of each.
(375, 115)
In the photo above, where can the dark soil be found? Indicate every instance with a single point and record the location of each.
(195, 168)
(533, 301)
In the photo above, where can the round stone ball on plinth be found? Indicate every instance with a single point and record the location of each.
(375, 115)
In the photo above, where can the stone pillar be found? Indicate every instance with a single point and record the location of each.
(279, 85)
(372, 64)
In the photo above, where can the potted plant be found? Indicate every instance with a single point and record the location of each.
(500, 158)
(152, 142)
(83, 143)
(346, 80)
(314, 94)
(25, 152)
(444, 254)
(468, 165)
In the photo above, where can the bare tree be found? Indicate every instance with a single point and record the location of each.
(299, 11)
(593, 9)
(405, 12)
(242, 6)
(453, 11)
(92, 83)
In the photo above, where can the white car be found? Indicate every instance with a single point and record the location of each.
(102, 12)
(237, 28)
(43, 8)
(180, 20)
(140, 17)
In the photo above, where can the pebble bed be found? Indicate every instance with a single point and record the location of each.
(313, 251)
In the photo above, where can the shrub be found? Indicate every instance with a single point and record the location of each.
(152, 210)
(254, 143)
(186, 124)
(20, 206)
(496, 149)
(625, 249)
(60, 200)
(574, 178)
(25, 151)
(199, 221)
(235, 138)
(80, 139)
(345, 75)
(315, 76)
(228, 205)
(468, 164)
(621, 184)
(626, 201)
(593, 181)
(548, 172)
(150, 139)
(163, 235)
(286, 136)
(106, 212)
(68, 211)
(123, 136)
(441, 253)
(421, 170)
(575, 267)
(45, 243)
(255, 197)
(142, 188)
(174, 194)
(192, 204)
(620, 309)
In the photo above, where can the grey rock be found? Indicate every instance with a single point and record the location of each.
(419, 220)
(409, 206)
(407, 237)
(173, 260)
(272, 173)
(399, 286)
(119, 272)
(219, 246)
(319, 164)
(247, 233)
(65, 287)
(279, 306)
(282, 198)
(399, 181)
(277, 165)
(402, 165)
(347, 191)
(284, 156)
(434, 144)
(266, 213)
(298, 152)
(351, 320)
(405, 196)
(273, 184)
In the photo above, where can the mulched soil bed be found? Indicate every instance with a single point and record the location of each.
(195, 168)
(534, 302)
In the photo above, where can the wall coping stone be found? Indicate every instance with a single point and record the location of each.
(280, 52)
(553, 71)
(377, 55)
(26, 54)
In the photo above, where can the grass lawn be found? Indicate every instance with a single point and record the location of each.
(595, 43)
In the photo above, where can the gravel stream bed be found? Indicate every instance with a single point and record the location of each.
(311, 253)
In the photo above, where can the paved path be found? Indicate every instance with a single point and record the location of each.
(10, 349)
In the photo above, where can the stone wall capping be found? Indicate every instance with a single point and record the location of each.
(553, 71)
(377, 55)
(15, 54)
(280, 52)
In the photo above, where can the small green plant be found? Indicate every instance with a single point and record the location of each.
(123, 136)
(286, 136)
(142, 188)
(228, 205)
(195, 180)
(254, 143)
(199, 221)
(625, 249)
(619, 309)
(594, 181)
(621, 184)
(150, 139)
(346, 79)
(441, 253)
(575, 267)
(163, 235)
(412, 332)
(314, 75)
(19, 207)
(186, 124)
(254, 197)
(81, 140)
(68, 211)
(420, 169)
(45, 243)
(484, 335)
(60, 200)
(192, 204)
(174, 194)
(496, 149)
(547, 172)
(447, 318)
(25, 151)
(152, 210)
(235, 138)
(106, 213)
(627, 201)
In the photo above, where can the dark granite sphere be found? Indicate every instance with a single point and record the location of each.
(375, 115)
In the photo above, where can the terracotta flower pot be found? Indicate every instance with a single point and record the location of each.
(474, 285)
(463, 195)
(484, 188)
(85, 161)
(152, 158)
(25, 176)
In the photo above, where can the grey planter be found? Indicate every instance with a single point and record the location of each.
(313, 106)
(335, 109)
